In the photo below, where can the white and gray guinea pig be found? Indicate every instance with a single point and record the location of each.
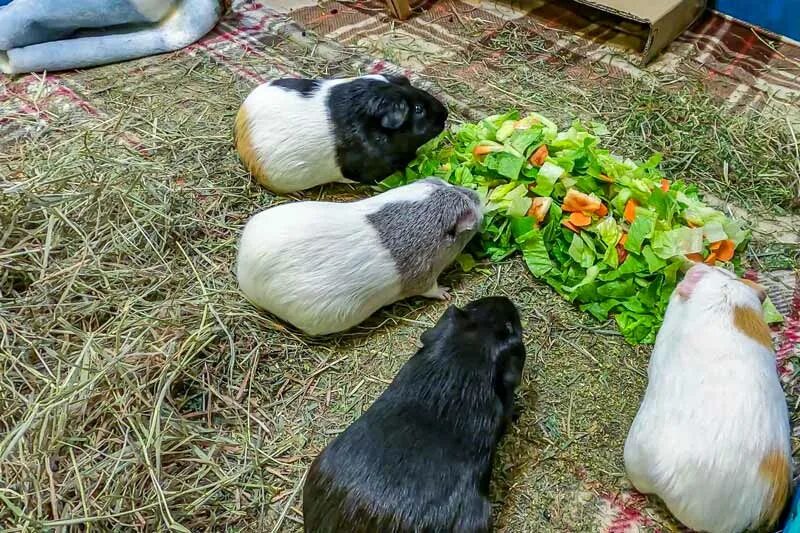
(325, 267)
(711, 437)
(294, 134)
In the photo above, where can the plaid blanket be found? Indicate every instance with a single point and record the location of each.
(736, 64)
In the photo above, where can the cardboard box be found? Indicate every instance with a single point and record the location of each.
(655, 23)
(663, 20)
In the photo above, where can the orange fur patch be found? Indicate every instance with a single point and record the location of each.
(760, 291)
(777, 471)
(750, 322)
(244, 146)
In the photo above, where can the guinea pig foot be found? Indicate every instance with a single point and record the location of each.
(438, 293)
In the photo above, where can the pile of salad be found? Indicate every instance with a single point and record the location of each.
(609, 234)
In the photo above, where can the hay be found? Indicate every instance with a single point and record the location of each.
(138, 389)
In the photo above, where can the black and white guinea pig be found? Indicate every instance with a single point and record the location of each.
(711, 437)
(420, 458)
(294, 134)
(325, 267)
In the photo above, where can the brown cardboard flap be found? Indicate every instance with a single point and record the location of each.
(666, 19)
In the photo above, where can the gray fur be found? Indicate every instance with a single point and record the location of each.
(420, 235)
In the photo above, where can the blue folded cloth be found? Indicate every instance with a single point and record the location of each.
(37, 35)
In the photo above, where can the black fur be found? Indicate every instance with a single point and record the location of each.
(420, 458)
(306, 88)
(379, 126)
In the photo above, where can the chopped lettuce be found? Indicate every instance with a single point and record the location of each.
(609, 266)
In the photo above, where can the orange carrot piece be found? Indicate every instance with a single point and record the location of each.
(630, 210)
(697, 258)
(664, 185)
(711, 259)
(538, 157)
(570, 226)
(540, 206)
(578, 201)
(725, 250)
(483, 149)
(622, 253)
(607, 179)
(714, 246)
(579, 219)
(602, 210)
(623, 239)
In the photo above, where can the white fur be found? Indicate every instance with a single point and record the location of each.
(713, 409)
(293, 136)
(321, 266)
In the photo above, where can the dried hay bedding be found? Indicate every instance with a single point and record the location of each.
(138, 389)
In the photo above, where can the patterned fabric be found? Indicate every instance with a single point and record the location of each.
(736, 63)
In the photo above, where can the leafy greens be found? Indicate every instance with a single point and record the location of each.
(615, 235)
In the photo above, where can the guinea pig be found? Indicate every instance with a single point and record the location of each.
(711, 437)
(325, 267)
(420, 458)
(294, 134)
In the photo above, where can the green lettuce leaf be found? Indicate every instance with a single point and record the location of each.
(771, 313)
(633, 286)
(580, 252)
(642, 229)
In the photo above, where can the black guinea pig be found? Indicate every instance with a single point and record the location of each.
(420, 458)
(294, 134)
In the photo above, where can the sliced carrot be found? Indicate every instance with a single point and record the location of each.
(714, 246)
(570, 226)
(664, 185)
(630, 210)
(607, 179)
(602, 210)
(579, 219)
(623, 239)
(622, 253)
(483, 149)
(724, 249)
(578, 201)
(540, 207)
(691, 225)
(698, 258)
(711, 259)
(538, 157)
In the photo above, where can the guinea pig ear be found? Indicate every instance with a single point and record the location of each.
(397, 79)
(391, 108)
(691, 279)
(467, 221)
(760, 291)
(452, 314)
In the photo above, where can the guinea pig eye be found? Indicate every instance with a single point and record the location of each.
(452, 232)
(418, 109)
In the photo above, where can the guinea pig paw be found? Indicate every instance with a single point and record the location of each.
(439, 293)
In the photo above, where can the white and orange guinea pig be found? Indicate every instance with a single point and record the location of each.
(711, 437)
(294, 134)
